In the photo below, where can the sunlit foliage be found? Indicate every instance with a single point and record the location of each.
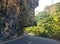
(48, 22)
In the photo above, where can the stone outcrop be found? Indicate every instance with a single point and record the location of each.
(52, 9)
(15, 15)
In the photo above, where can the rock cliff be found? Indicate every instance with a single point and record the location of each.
(15, 15)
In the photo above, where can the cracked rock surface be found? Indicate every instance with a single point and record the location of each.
(14, 16)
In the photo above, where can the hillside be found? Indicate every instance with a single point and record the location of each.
(48, 23)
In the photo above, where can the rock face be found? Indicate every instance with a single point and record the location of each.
(15, 15)
(53, 9)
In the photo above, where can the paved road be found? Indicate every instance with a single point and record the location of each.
(28, 39)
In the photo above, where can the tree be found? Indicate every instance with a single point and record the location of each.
(48, 22)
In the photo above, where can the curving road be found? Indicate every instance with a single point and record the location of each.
(28, 39)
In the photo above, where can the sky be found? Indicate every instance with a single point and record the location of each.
(43, 4)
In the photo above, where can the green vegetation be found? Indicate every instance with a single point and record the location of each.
(48, 23)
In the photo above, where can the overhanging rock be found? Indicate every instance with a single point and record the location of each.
(15, 15)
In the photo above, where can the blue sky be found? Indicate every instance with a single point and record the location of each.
(43, 4)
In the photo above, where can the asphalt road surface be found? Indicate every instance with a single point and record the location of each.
(28, 39)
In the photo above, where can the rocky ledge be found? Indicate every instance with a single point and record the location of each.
(14, 16)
